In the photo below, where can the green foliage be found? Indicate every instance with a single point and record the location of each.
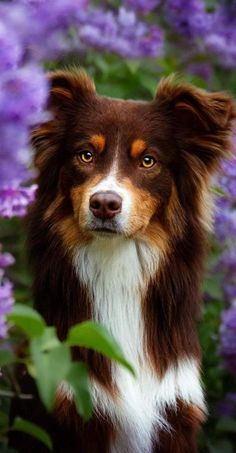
(33, 430)
(27, 319)
(91, 335)
(49, 360)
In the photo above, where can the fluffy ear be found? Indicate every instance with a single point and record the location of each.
(69, 90)
(201, 121)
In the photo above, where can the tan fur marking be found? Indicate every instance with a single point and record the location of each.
(156, 236)
(98, 141)
(70, 233)
(143, 208)
(137, 148)
(80, 200)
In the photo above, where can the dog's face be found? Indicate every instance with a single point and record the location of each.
(118, 168)
(125, 167)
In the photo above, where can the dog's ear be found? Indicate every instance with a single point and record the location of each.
(201, 122)
(68, 89)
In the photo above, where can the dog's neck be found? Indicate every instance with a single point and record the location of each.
(116, 271)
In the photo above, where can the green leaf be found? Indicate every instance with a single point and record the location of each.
(92, 335)
(6, 357)
(27, 427)
(51, 363)
(226, 424)
(28, 319)
(77, 378)
(49, 340)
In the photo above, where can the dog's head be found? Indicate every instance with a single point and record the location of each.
(138, 169)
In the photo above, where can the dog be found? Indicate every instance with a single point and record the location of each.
(117, 234)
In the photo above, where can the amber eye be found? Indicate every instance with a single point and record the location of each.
(86, 156)
(148, 161)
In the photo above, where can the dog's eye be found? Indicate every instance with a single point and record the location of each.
(86, 156)
(148, 161)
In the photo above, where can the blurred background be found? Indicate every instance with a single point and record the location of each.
(126, 46)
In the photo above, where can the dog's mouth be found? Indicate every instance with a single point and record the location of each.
(104, 228)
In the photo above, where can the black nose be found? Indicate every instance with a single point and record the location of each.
(105, 205)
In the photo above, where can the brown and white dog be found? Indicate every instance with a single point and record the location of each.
(118, 235)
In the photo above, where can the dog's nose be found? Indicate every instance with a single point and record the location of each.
(105, 205)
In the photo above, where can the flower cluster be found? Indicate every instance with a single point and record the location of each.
(225, 227)
(209, 33)
(121, 33)
(6, 295)
(228, 337)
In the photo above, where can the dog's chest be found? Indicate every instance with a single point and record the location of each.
(116, 273)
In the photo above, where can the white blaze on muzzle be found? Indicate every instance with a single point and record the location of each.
(110, 184)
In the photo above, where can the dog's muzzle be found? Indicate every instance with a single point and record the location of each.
(105, 206)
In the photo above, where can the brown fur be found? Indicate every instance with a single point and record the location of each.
(188, 132)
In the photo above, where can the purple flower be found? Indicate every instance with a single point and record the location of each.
(189, 19)
(222, 35)
(23, 94)
(6, 302)
(14, 202)
(228, 338)
(6, 294)
(143, 6)
(11, 49)
(120, 33)
(202, 70)
(6, 259)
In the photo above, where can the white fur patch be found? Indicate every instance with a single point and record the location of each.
(116, 272)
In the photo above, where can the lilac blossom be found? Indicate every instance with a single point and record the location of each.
(143, 6)
(225, 228)
(14, 202)
(6, 292)
(228, 337)
(202, 70)
(189, 19)
(222, 35)
(6, 302)
(121, 33)
(209, 33)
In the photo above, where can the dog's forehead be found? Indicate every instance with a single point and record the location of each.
(126, 119)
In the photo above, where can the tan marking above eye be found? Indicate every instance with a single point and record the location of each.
(137, 147)
(98, 141)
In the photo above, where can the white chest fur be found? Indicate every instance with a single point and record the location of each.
(116, 272)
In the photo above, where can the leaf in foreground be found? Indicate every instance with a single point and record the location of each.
(50, 365)
(27, 427)
(92, 335)
(28, 319)
(78, 379)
